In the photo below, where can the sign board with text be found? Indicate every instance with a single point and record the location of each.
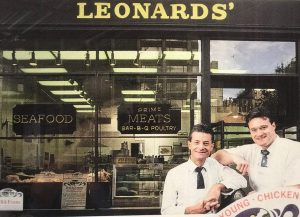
(281, 202)
(148, 119)
(11, 200)
(74, 191)
(140, 13)
(41, 119)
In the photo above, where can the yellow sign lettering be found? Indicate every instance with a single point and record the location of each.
(102, 10)
(81, 10)
(122, 10)
(141, 10)
(200, 11)
(159, 11)
(179, 11)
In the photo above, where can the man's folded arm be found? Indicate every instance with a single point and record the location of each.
(232, 180)
(223, 157)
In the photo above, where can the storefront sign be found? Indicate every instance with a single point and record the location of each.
(278, 202)
(143, 13)
(11, 200)
(40, 119)
(148, 119)
(155, 10)
(74, 191)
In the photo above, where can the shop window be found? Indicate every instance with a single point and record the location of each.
(97, 83)
(290, 133)
(232, 104)
(252, 57)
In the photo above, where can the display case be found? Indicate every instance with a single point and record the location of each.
(138, 185)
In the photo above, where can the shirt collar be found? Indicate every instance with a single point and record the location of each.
(192, 166)
(272, 147)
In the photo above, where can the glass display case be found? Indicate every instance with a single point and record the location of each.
(138, 185)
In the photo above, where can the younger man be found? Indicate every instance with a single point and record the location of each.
(271, 161)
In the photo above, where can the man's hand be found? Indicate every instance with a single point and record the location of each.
(202, 207)
(198, 208)
(212, 205)
(211, 200)
(241, 165)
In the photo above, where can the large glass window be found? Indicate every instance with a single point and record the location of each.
(247, 74)
(232, 104)
(252, 57)
(157, 76)
(230, 107)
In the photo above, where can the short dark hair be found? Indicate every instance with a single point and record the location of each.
(201, 128)
(259, 112)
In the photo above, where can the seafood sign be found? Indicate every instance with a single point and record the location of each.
(148, 119)
(41, 119)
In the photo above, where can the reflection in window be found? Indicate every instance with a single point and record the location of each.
(291, 133)
(252, 57)
(231, 105)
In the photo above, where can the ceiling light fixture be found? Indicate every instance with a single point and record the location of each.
(190, 61)
(112, 61)
(81, 94)
(135, 70)
(58, 60)
(139, 99)
(73, 99)
(90, 101)
(83, 106)
(161, 59)
(64, 92)
(33, 61)
(136, 61)
(85, 110)
(71, 81)
(43, 70)
(87, 61)
(57, 83)
(120, 55)
(86, 96)
(138, 92)
(79, 87)
(13, 58)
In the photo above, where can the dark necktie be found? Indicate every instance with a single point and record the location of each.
(264, 159)
(200, 180)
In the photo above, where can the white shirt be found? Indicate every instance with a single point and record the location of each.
(282, 167)
(180, 188)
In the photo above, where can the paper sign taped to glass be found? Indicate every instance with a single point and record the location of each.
(11, 200)
(74, 191)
